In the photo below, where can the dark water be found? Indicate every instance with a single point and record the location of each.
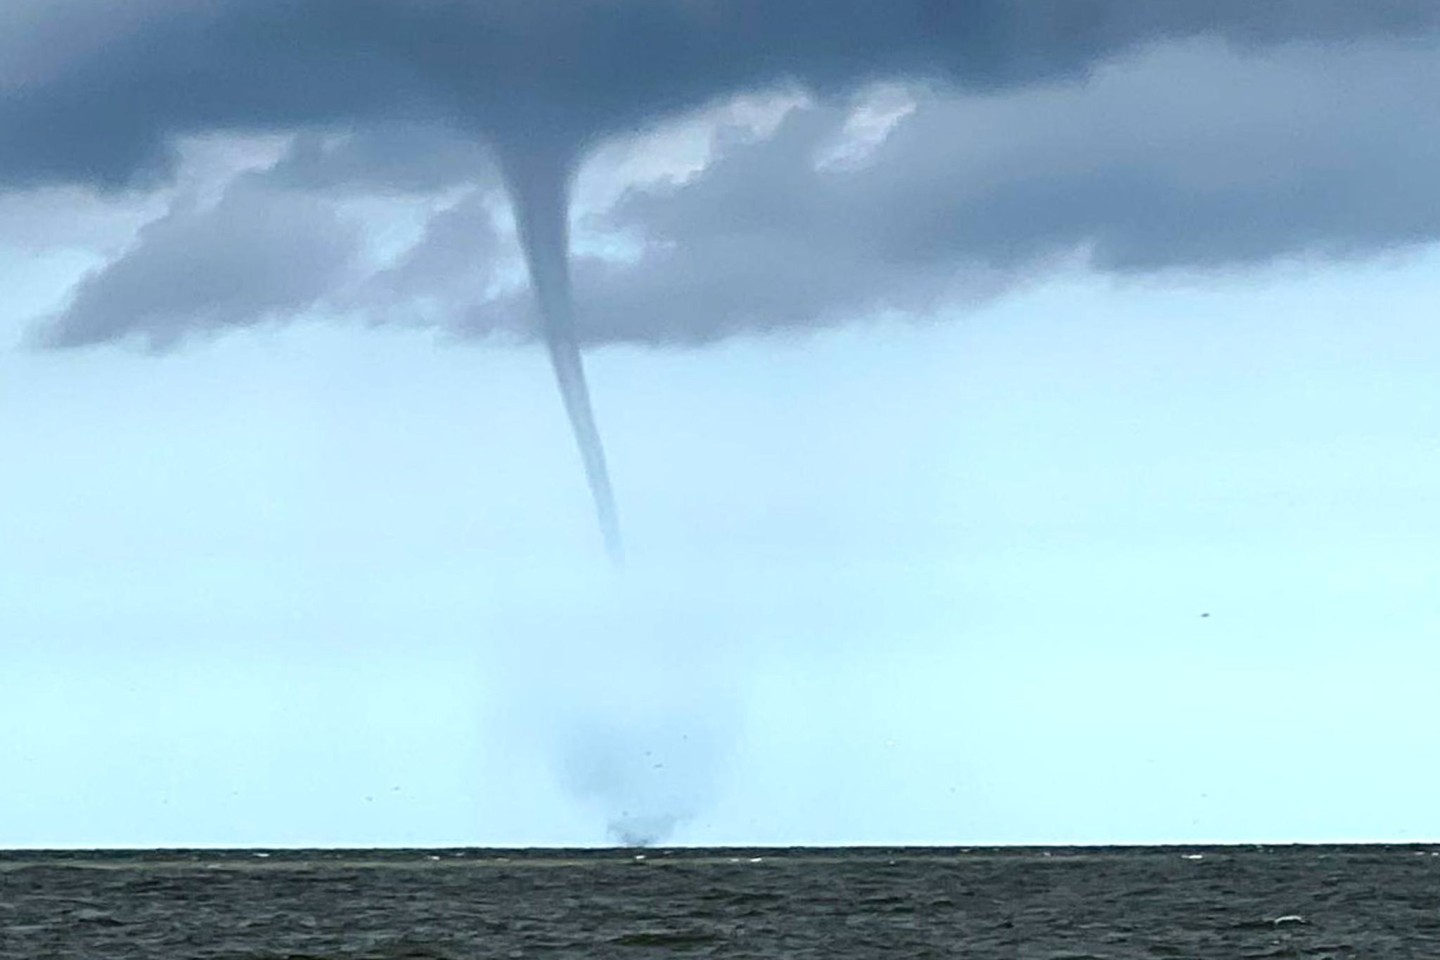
(1360, 902)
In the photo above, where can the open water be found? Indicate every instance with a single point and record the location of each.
(1367, 903)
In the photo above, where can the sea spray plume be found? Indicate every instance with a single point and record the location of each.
(632, 831)
(640, 727)
(539, 184)
(647, 769)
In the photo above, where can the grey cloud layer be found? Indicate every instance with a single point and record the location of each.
(545, 75)
(1188, 157)
(1229, 132)
(259, 253)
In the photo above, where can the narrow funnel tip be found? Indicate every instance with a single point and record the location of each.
(539, 191)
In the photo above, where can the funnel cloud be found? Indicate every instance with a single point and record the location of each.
(966, 197)
(539, 188)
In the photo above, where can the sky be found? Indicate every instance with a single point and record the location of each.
(1020, 416)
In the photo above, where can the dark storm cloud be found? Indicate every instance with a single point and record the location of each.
(256, 254)
(1187, 157)
(384, 158)
(1308, 136)
(559, 73)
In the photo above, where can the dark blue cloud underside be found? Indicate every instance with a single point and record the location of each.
(562, 73)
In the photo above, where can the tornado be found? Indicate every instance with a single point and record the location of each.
(538, 182)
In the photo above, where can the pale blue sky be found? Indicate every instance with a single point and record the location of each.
(1028, 437)
(935, 583)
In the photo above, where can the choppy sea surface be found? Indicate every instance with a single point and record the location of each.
(1365, 902)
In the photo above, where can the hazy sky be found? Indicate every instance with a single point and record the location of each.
(1022, 416)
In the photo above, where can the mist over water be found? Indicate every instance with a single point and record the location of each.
(645, 774)
(638, 732)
